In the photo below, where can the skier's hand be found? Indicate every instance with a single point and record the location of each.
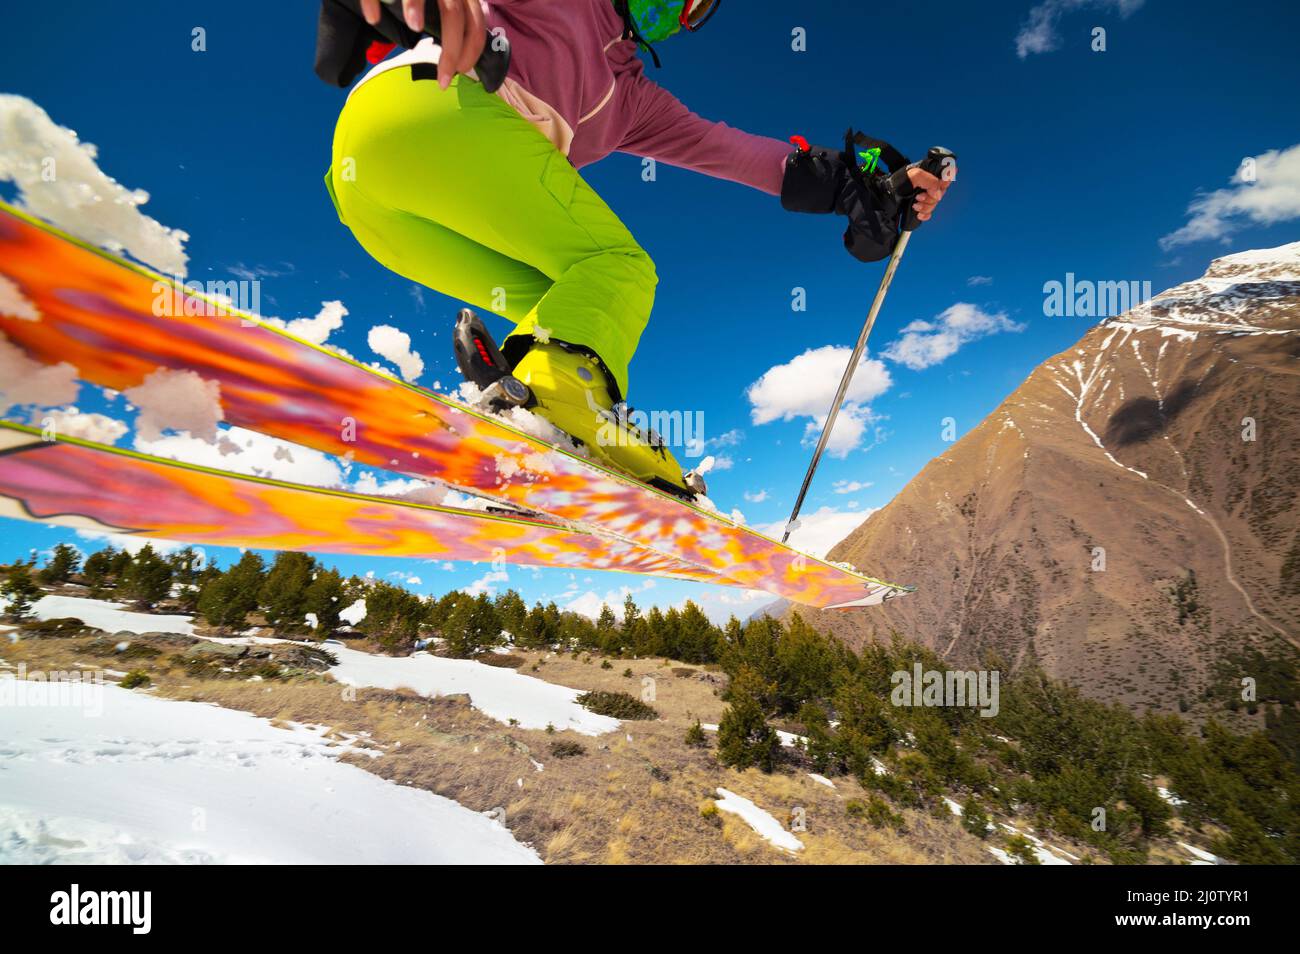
(464, 35)
(412, 12)
(464, 32)
(934, 187)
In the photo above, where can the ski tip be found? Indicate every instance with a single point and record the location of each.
(875, 596)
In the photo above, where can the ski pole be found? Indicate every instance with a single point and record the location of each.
(933, 163)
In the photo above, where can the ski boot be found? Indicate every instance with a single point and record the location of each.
(569, 387)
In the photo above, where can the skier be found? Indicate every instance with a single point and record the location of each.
(477, 195)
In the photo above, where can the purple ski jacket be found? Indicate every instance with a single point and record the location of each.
(578, 81)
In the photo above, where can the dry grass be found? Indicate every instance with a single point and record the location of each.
(636, 796)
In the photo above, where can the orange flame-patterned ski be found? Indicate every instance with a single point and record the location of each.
(92, 486)
(117, 323)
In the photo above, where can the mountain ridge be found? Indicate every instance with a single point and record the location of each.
(1127, 516)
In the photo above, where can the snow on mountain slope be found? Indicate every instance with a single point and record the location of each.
(1127, 518)
(153, 780)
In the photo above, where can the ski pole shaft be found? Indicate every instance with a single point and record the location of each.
(937, 163)
(847, 378)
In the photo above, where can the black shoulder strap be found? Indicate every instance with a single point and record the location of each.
(343, 36)
(631, 32)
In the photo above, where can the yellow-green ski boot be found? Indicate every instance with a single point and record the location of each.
(570, 388)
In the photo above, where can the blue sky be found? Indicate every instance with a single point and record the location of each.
(1070, 161)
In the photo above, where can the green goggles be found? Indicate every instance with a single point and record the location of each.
(659, 19)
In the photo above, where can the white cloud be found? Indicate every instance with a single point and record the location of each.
(14, 303)
(979, 280)
(756, 496)
(820, 530)
(176, 401)
(805, 387)
(131, 543)
(410, 579)
(1273, 197)
(409, 489)
(26, 381)
(726, 439)
(388, 342)
(78, 196)
(247, 452)
(484, 584)
(924, 344)
(1039, 33)
(850, 486)
(589, 604)
(850, 426)
(318, 329)
(70, 422)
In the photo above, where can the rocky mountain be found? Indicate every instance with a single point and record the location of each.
(1128, 516)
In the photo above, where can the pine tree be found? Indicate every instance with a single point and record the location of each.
(473, 628)
(118, 564)
(512, 611)
(147, 580)
(394, 616)
(744, 737)
(187, 569)
(64, 561)
(533, 634)
(633, 628)
(284, 591)
(609, 637)
(324, 599)
(698, 640)
(21, 592)
(98, 571)
(186, 566)
(228, 599)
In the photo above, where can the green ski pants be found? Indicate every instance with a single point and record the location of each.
(455, 190)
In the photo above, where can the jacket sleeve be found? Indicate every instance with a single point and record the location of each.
(665, 130)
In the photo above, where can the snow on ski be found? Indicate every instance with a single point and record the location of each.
(98, 313)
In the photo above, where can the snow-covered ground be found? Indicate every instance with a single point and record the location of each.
(500, 693)
(762, 822)
(110, 617)
(1202, 856)
(153, 780)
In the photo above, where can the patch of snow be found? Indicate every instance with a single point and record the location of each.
(1203, 857)
(1041, 851)
(762, 822)
(502, 694)
(154, 780)
(1169, 796)
(821, 779)
(110, 617)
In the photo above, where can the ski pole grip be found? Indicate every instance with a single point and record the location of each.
(936, 162)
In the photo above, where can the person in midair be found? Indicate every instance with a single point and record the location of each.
(477, 195)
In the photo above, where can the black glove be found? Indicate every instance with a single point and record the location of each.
(822, 180)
